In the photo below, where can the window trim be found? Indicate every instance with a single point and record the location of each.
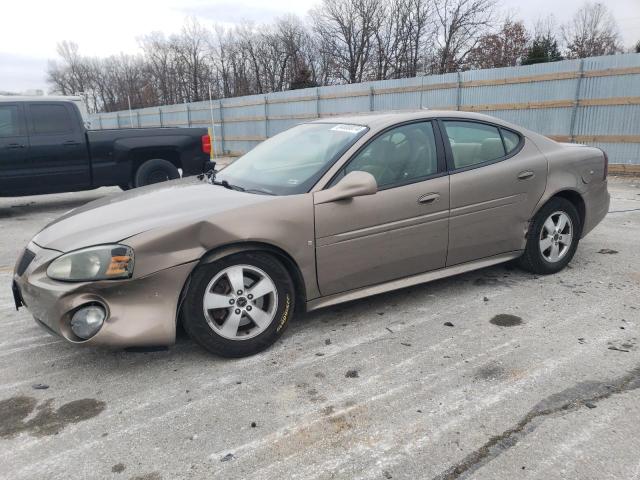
(440, 154)
(22, 132)
(31, 124)
(449, 153)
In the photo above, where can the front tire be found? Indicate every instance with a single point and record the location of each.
(239, 305)
(553, 237)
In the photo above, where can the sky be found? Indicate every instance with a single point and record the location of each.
(31, 29)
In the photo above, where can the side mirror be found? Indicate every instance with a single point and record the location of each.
(354, 184)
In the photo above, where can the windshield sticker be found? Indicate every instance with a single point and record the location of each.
(348, 128)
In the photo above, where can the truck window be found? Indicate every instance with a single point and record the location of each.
(9, 121)
(50, 119)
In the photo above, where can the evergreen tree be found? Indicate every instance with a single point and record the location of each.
(542, 50)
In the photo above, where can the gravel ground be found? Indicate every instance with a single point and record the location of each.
(494, 374)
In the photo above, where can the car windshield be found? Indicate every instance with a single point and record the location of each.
(293, 161)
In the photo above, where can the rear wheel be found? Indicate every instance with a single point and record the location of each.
(155, 171)
(239, 305)
(553, 237)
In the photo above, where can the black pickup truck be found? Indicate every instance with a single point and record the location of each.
(45, 148)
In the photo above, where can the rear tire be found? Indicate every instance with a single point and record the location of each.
(155, 171)
(553, 237)
(222, 315)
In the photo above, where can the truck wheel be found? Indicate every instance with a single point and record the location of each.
(155, 171)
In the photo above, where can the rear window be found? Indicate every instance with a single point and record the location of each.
(511, 140)
(50, 119)
(9, 121)
(473, 143)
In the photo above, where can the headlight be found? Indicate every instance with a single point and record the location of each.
(105, 262)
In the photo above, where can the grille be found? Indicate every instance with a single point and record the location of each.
(23, 264)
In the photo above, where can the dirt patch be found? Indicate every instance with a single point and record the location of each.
(506, 320)
(47, 420)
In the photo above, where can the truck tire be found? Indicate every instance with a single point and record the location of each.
(155, 171)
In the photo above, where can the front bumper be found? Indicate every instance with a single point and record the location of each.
(140, 311)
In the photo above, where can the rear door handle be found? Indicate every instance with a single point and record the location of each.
(526, 174)
(15, 145)
(428, 198)
(70, 143)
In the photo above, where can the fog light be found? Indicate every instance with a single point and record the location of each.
(87, 321)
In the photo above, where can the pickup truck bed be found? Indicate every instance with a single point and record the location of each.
(45, 148)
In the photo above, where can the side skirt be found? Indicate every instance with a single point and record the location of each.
(409, 281)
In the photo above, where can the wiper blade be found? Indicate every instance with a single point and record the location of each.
(257, 190)
(210, 177)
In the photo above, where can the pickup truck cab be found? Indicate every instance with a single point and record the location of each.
(45, 148)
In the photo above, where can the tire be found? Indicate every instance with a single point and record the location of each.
(540, 255)
(155, 171)
(262, 319)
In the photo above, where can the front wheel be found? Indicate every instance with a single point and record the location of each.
(553, 237)
(239, 305)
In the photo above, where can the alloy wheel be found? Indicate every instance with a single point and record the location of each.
(240, 302)
(556, 236)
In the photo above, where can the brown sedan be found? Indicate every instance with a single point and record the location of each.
(326, 212)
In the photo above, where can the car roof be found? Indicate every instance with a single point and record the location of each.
(377, 120)
(38, 98)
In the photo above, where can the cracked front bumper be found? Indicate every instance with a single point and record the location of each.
(140, 311)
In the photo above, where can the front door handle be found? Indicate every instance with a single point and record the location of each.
(15, 145)
(526, 174)
(70, 143)
(428, 198)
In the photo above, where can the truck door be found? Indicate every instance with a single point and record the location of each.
(58, 155)
(13, 148)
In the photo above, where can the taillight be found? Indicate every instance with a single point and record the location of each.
(206, 143)
(606, 165)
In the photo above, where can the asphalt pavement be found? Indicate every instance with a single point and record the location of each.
(495, 374)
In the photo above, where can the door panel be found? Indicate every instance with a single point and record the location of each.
(491, 205)
(372, 239)
(58, 155)
(13, 147)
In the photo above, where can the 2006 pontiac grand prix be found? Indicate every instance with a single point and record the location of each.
(323, 213)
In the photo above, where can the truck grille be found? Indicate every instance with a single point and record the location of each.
(25, 261)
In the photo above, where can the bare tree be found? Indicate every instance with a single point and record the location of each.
(592, 32)
(460, 24)
(347, 29)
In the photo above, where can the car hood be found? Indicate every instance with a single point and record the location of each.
(114, 218)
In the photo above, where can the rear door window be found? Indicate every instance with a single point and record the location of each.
(9, 122)
(473, 143)
(49, 119)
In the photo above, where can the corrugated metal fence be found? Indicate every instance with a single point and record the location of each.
(594, 101)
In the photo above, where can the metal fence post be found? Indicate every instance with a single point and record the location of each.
(318, 102)
(576, 101)
(100, 122)
(266, 118)
(188, 115)
(422, 92)
(138, 118)
(371, 94)
(160, 116)
(459, 92)
(118, 120)
(221, 126)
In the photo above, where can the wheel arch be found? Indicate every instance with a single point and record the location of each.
(572, 196)
(138, 156)
(245, 247)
